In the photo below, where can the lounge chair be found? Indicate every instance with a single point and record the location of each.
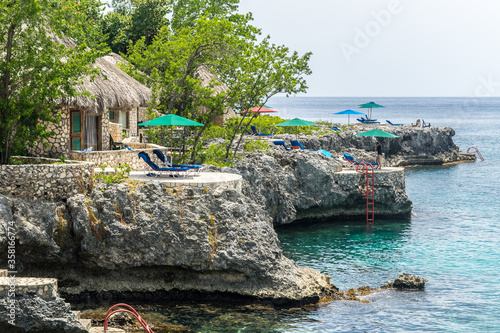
(425, 125)
(166, 162)
(171, 171)
(281, 143)
(86, 150)
(355, 163)
(247, 131)
(393, 124)
(335, 128)
(417, 123)
(366, 121)
(254, 130)
(115, 145)
(298, 145)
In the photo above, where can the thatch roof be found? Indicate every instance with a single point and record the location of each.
(206, 76)
(113, 89)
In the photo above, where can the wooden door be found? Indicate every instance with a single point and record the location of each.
(76, 130)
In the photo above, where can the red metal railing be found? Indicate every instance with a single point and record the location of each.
(129, 310)
(476, 151)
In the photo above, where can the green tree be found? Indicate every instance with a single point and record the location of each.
(36, 67)
(225, 44)
(131, 20)
(178, 63)
(186, 12)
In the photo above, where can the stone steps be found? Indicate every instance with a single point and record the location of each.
(43, 287)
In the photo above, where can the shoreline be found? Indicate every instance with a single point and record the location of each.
(204, 241)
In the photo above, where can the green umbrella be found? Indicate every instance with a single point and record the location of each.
(297, 122)
(378, 133)
(370, 105)
(171, 120)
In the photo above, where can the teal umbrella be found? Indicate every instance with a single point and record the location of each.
(297, 122)
(378, 133)
(171, 120)
(370, 105)
(348, 113)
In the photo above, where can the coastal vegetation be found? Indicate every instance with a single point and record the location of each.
(37, 70)
(201, 59)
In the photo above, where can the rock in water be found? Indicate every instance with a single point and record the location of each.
(408, 281)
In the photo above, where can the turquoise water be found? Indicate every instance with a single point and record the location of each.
(453, 239)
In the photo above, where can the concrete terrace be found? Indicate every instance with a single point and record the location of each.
(201, 180)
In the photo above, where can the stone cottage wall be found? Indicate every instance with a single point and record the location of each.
(59, 143)
(106, 143)
(116, 132)
(132, 122)
(44, 180)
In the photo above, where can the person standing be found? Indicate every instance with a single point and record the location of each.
(379, 155)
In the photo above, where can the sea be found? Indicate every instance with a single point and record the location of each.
(452, 239)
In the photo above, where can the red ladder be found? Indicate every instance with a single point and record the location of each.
(367, 170)
(476, 151)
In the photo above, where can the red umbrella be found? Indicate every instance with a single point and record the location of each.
(259, 110)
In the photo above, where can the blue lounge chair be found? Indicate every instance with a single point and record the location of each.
(393, 124)
(167, 163)
(281, 143)
(335, 128)
(298, 145)
(178, 172)
(247, 131)
(355, 163)
(365, 121)
(254, 130)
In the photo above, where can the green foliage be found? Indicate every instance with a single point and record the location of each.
(62, 159)
(131, 20)
(118, 176)
(215, 154)
(256, 145)
(32, 73)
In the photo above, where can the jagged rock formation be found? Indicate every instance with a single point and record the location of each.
(298, 185)
(415, 145)
(145, 238)
(407, 281)
(36, 314)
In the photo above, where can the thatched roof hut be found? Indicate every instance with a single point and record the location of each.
(113, 89)
(206, 76)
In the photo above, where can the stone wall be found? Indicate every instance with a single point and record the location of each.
(115, 130)
(43, 181)
(59, 143)
(132, 123)
(114, 158)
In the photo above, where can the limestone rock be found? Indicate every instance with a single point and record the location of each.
(409, 282)
(35, 314)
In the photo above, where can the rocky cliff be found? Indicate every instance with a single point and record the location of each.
(297, 185)
(415, 145)
(131, 239)
(145, 240)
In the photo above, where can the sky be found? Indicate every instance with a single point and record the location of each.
(389, 47)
